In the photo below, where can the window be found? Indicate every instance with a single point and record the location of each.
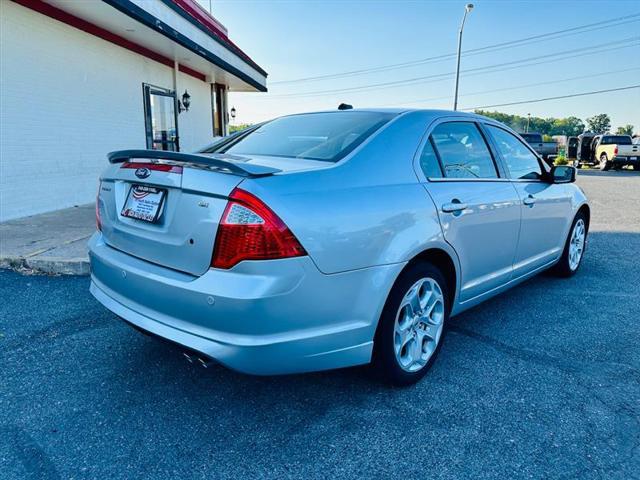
(521, 162)
(463, 151)
(160, 118)
(429, 161)
(219, 107)
(616, 140)
(532, 137)
(316, 136)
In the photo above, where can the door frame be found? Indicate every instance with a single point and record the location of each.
(497, 160)
(148, 90)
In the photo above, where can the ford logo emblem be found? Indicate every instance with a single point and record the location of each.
(143, 172)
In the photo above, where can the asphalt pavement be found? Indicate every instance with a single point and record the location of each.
(540, 382)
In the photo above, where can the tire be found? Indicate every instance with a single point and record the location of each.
(422, 338)
(567, 266)
(636, 166)
(605, 164)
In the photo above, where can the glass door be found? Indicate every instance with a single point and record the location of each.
(161, 121)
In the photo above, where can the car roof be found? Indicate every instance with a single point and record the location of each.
(399, 111)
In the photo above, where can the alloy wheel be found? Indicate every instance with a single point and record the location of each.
(418, 324)
(576, 245)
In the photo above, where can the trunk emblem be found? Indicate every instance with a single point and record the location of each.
(204, 204)
(143, 172)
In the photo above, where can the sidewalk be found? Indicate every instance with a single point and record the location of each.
(54, 242)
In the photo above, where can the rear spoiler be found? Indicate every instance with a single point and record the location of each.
(219, 161)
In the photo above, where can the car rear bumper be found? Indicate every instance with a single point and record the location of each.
(628, 160)
(267, 317)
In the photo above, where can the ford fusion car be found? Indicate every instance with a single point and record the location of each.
(330, 239)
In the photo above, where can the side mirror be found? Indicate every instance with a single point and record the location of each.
(562, 174)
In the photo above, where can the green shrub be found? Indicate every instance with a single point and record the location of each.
(561, 160)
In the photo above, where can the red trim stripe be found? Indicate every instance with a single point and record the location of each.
(204, 18)
(160, 167)
(92, 29)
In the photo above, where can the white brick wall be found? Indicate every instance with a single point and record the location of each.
(68, 98)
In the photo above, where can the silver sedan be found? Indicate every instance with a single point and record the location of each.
(330, 239)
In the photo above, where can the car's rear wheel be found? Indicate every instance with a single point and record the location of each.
(574, 247)
(412, 325)
(605, 164)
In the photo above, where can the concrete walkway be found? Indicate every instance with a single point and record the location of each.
(54, 242)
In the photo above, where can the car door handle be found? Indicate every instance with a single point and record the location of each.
(530, 200)
(454, 206)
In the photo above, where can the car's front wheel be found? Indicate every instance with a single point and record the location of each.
(412, 325)
(574, 247)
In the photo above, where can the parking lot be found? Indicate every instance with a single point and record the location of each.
(540, 382)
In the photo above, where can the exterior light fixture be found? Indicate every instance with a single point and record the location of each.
(233, 112)
(185, 103)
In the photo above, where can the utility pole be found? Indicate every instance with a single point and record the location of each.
(467, 9)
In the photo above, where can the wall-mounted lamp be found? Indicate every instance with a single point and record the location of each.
(183, 106)
(233, 112)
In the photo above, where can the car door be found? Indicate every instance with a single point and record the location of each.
(479, 211)
(546, 207)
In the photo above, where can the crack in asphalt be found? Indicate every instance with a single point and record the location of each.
(537, 357)
(32, 457)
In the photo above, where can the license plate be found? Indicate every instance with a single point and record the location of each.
(144, 203)
(633, 158)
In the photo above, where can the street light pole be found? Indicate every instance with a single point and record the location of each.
(528, 119)
(467, 9)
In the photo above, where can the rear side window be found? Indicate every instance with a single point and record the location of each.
(317, 136)
(521, 163)
(429, 161)
(532, 138)
(616, 140)
(463, 151)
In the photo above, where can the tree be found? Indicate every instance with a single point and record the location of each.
(600, 123)
(237, 128)
(570, 126)
(625, 130)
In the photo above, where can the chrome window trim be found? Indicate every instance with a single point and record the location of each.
(541, 163)
(497, 161)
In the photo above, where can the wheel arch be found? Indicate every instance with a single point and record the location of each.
(446, 263)
(586, 210)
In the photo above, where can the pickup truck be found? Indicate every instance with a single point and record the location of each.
(616, 151)
(546, 150)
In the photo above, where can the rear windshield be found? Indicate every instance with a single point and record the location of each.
(314, 136)
(532, 137)
(616, 140)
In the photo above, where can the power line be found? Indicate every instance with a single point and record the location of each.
(537, 100)
(538, 84)
(590, 50)
(486, 49)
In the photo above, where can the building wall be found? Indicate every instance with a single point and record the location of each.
(69, 98)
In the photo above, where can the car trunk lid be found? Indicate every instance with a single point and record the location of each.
(191, 193)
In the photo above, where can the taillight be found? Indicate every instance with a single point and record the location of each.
(249, 230)
(615, 150)
(98, 218)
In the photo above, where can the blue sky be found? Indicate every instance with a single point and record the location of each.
(301, 39)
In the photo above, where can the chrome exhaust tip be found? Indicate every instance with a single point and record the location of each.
(204, 363)
(188, 357)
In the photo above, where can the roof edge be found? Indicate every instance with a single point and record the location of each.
(134, 11)
(191, 11)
